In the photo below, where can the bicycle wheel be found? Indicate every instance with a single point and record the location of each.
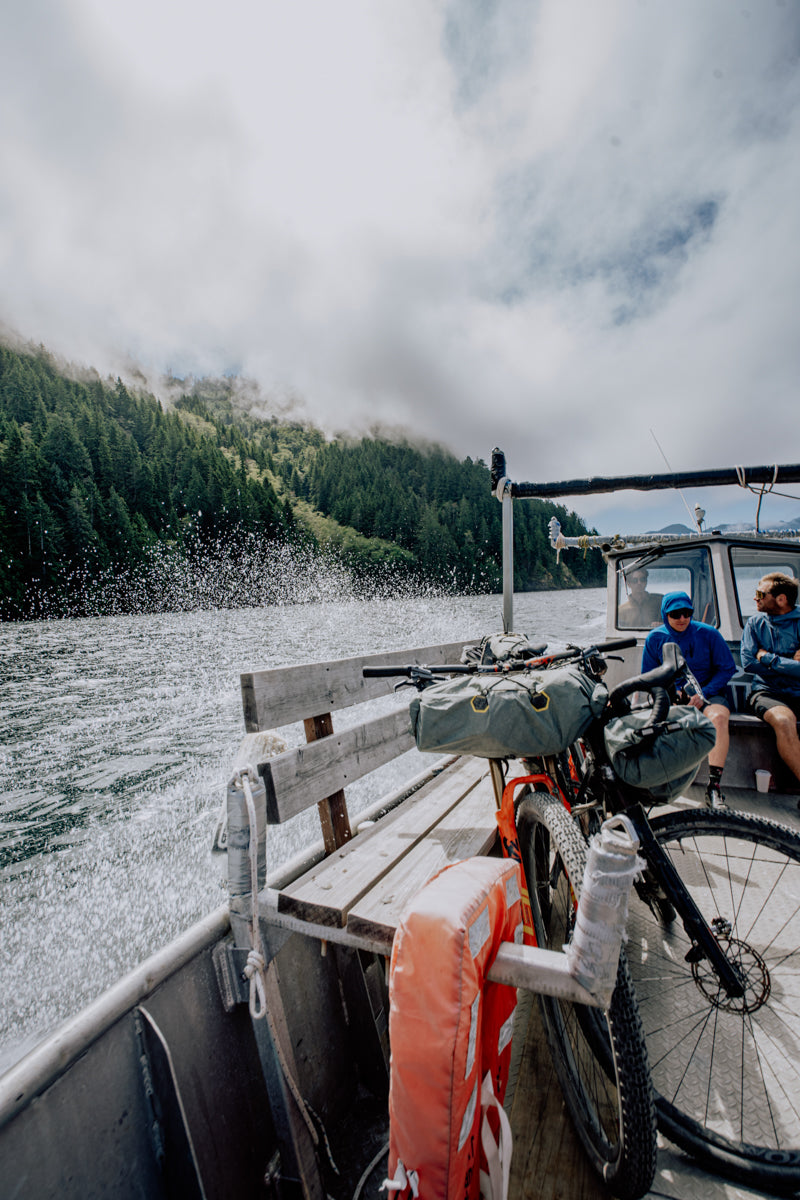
(600, 1058)
(726, 1070)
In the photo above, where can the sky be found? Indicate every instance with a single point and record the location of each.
(567, 228)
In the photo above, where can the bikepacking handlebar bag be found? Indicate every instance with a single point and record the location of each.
(501, 647)
(663, 765)
(519, 715)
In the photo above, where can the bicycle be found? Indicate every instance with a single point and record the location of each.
(601, 1062)
(712, 969)
(712, 951)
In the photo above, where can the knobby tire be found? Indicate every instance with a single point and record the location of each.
(726, 1071)
(609, 1095)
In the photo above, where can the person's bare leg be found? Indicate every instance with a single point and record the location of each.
(784, 722)
(719, 714)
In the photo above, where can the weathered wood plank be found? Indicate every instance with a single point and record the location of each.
(333, 815)
(548, 1162)
(327, 893)
(299, 778)
(469, 829)
(273, 698)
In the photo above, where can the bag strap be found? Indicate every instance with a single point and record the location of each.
(494, 1182)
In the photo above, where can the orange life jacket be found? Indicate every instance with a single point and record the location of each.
(449, 1029)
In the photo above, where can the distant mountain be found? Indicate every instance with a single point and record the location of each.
(749, 526)
(733, 527)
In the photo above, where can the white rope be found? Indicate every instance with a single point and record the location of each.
(368, 1171)
(256, 966)
(494, 1181)
(402, 1179)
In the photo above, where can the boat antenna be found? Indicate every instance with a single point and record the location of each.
(694, 517)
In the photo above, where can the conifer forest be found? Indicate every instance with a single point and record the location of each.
(112, 502)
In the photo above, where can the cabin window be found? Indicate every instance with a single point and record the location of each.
(643, 581)
(751, 563)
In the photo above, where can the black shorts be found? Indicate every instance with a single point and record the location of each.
(761, 701)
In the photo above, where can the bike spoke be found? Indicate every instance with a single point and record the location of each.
(726, 1063)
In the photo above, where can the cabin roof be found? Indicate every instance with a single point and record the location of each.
(667, 542)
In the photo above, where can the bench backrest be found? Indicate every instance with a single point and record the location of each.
(317, 772)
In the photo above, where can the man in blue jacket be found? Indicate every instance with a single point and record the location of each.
(771, 650)
(709, 659)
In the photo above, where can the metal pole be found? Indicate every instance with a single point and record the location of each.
(508, 562)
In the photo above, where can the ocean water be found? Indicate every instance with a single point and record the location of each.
(117, 736)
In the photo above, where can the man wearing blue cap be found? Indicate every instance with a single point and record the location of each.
(709, 659)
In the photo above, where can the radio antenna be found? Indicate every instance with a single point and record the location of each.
(693, 517)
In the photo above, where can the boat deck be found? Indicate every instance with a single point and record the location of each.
(548, 1161)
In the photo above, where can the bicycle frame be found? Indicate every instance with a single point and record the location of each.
(703, 939)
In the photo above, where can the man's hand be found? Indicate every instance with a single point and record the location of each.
(760, 654)
(695, 701)
(796, 656)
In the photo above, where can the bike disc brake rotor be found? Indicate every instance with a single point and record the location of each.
(751, 967)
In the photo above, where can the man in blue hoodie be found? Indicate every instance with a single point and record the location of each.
(771, 650)
(709, 659)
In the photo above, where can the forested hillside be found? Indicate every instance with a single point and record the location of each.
(109, 503)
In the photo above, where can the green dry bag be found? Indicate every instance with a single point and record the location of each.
(663, 765)
(519, 715)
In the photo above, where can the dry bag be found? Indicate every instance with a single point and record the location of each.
(519, 715)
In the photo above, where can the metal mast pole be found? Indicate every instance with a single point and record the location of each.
(501, 486)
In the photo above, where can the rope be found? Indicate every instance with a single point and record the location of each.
(256, 967)
(360, 1185)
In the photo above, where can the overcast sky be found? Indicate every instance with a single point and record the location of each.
(570, 228)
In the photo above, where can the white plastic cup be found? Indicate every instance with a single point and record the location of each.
(763, 780)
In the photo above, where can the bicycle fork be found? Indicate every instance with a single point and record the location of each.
(703, 939)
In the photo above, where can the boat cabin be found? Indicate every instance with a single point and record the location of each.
(719, 571)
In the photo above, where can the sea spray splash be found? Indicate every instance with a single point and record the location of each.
(116, 738)
(201, 573)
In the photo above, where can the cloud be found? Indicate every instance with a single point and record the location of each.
(546, 226)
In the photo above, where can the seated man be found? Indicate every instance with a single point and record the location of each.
(641, 610)
(709, 659)
(771, 650)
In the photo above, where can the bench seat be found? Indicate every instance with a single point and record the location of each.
(364, 885)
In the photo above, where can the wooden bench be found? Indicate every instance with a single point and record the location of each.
(327, 925)
(752, 748)
(356, 894)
